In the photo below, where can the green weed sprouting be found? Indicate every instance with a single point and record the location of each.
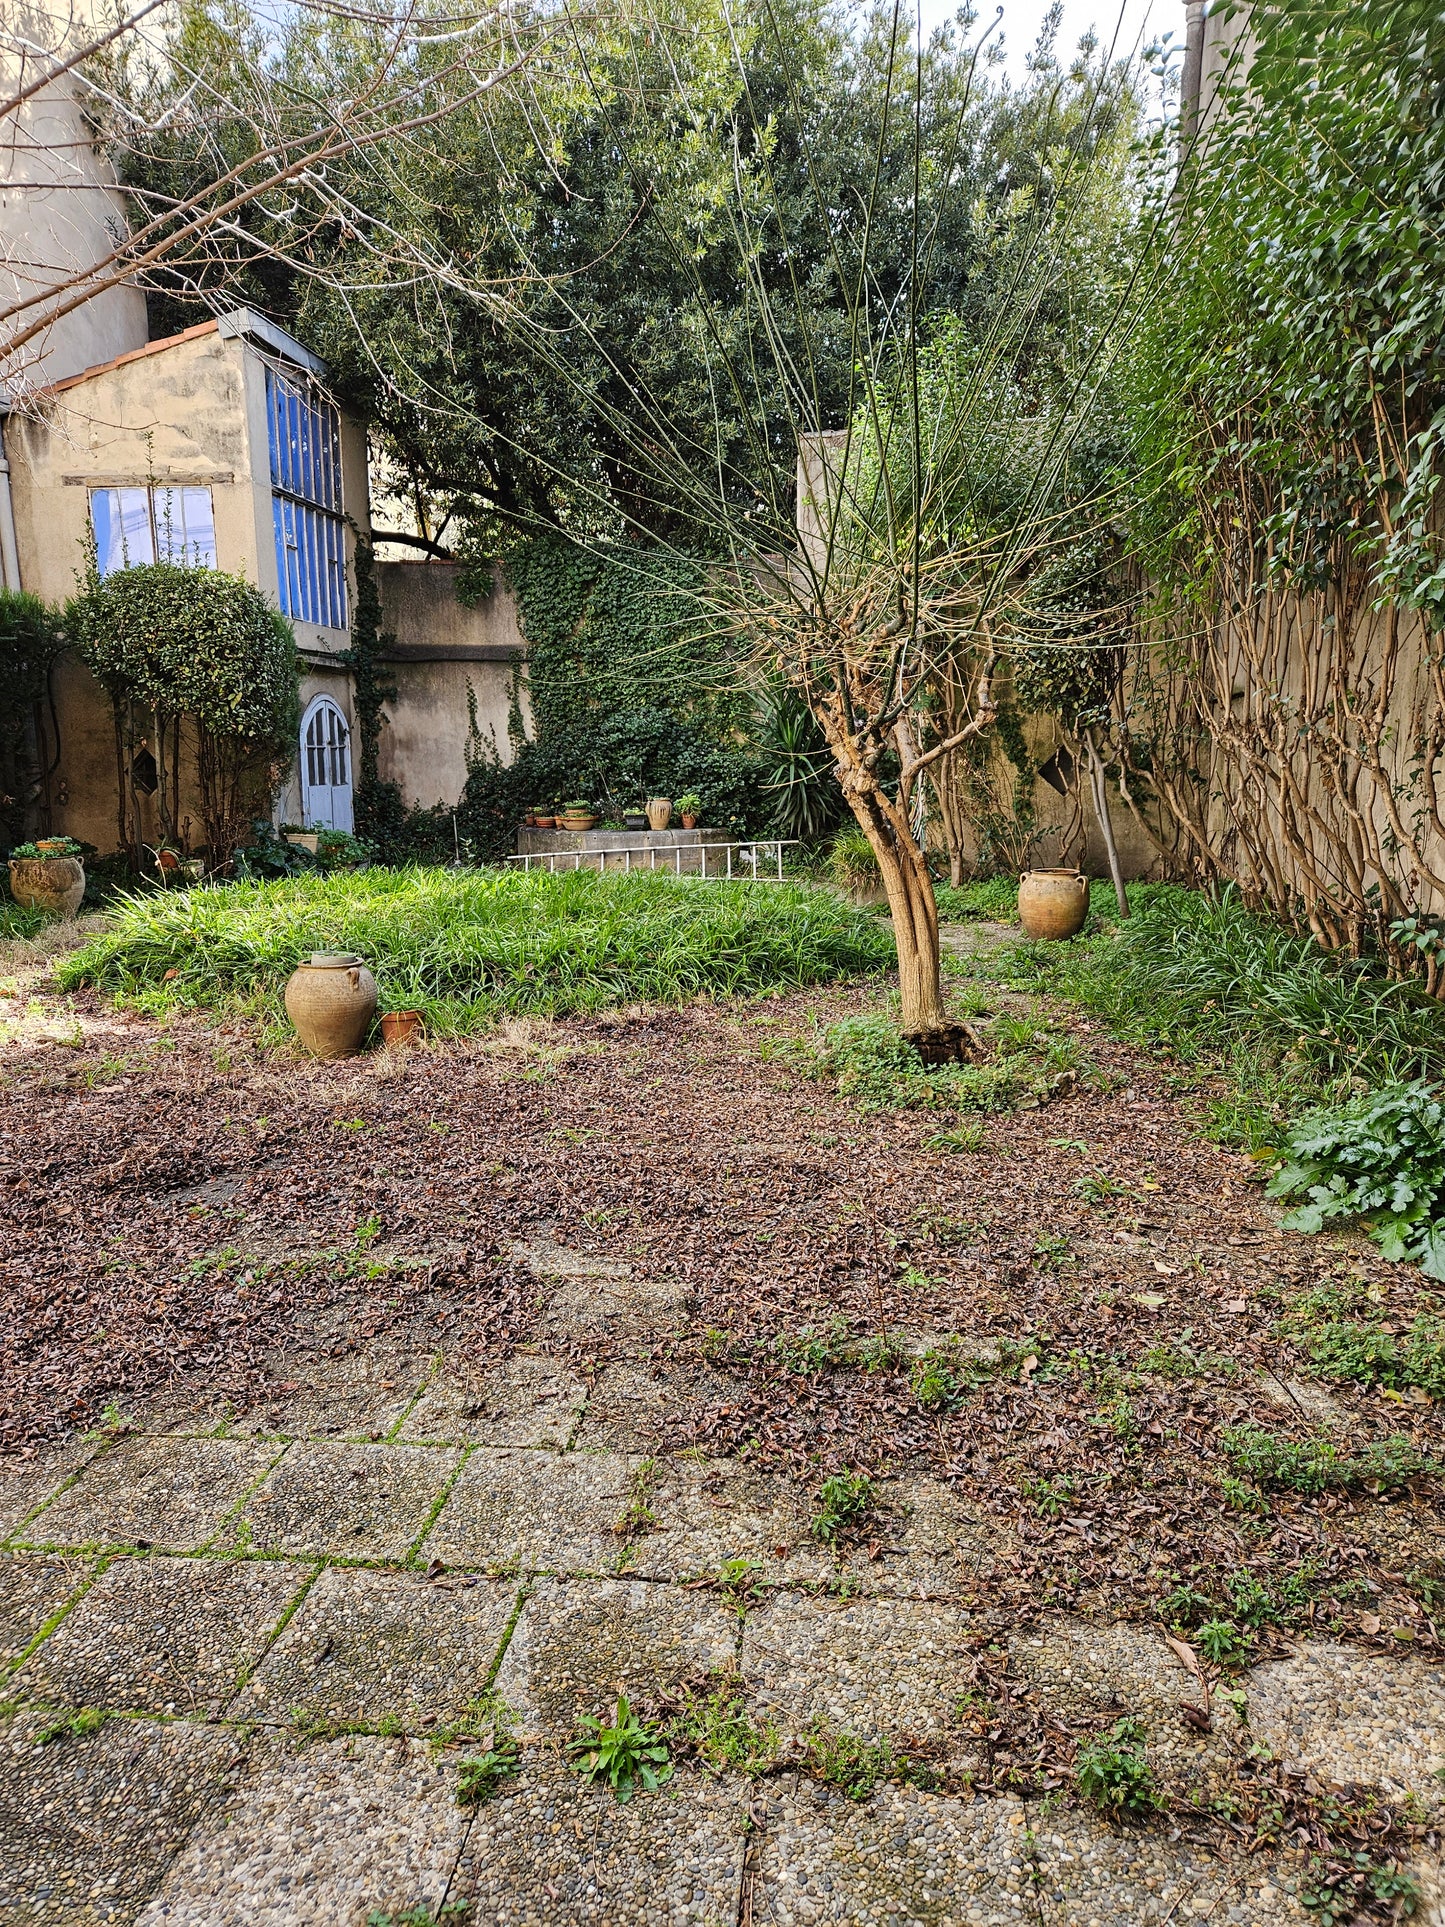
(817, 1348)
(944, 1375)
(1316, 1465)
(481, 1776)
(1220, 1641)
(857, 1766)
(724, 1733)
(78, 1725)
(844, 1501)
(637, 1515)
(1114, 1773)
(625, 1755)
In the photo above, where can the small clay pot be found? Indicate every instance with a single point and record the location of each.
(1053, 903)
(579, 822)
(400, 1027)
(331, 1001)
(689, 822)
(544, 822)
(51, 845)
(659, 812)
(52, 883)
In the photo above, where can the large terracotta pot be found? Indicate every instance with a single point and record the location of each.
(659, 811)
(1053, 903)
(331, 1001)
(53, 883)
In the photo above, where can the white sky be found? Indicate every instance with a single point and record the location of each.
(1134, 21)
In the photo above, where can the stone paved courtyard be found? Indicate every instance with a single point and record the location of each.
(249, 1645)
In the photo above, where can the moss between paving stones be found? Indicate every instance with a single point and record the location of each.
(170, 1493)
(547, 1510)
(551, 1850)
(163, 1635)
(874, 1668)
(333, 1499)
(527, 1400)
(33, 1589)
(320, 1835)
(88, 1826)
(580, 1642)
(1350, 1715)
(370, 1648)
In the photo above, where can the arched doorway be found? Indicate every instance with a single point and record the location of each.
(325, 767)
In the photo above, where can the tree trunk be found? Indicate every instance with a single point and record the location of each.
(909, 889)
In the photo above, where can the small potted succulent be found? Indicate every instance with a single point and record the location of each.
(578, 815)
(690, 809)
(48, 875)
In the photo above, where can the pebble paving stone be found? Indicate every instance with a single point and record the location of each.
(901, 1856)
(528, 1400)
(1353, 1715)
(365, 1646)
(360, 1396)
(551, 1850)
(648, 1408)
(553, 1511)
(327, 1833)
(579, 1642)
(1107, 1672)
(170, 1493)
(1091, 1875)
(712, 1510)
(26, 1483)
(163, 1635)
(928, 1541)
(600, 1297)
(33, 1588)
(89, 1824)
(871, 1667)
(331, 1498)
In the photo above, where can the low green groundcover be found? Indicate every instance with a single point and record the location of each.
(462, 946)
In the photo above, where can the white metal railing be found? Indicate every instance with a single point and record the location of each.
(750, 858)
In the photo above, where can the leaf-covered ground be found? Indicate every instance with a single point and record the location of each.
(1069, 1324)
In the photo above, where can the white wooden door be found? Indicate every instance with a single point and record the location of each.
(325, 767)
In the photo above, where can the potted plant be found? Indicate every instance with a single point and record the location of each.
(634, 819)
(578, 815)
(48, 875)
(401, 1027)
(690, 807)
(543, 816)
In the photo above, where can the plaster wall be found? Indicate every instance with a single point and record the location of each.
(59, 210)
(445, 653)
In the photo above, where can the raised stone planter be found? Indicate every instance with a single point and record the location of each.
(678, 852)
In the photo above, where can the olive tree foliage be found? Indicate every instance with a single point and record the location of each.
(191, 659)
(1287, 405)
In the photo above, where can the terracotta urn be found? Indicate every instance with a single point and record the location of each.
(1053, 903)
(400, 1027)
(331, 1001)
(53, 883)
(659, 811)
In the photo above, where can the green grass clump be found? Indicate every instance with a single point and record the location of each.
(872, 1063)
(481, 1776)
(844, 1502)
(944, 1375)
(1343, 1335)
(988, 899)
(22, 923)
(1316, 1465)
(464, 946)
(1289, 1025)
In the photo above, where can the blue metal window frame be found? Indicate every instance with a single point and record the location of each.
(304, 432)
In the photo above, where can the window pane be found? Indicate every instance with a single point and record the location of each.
(185, 527)
(121, 518)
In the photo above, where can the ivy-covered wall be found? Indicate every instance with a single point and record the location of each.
(634, 692)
